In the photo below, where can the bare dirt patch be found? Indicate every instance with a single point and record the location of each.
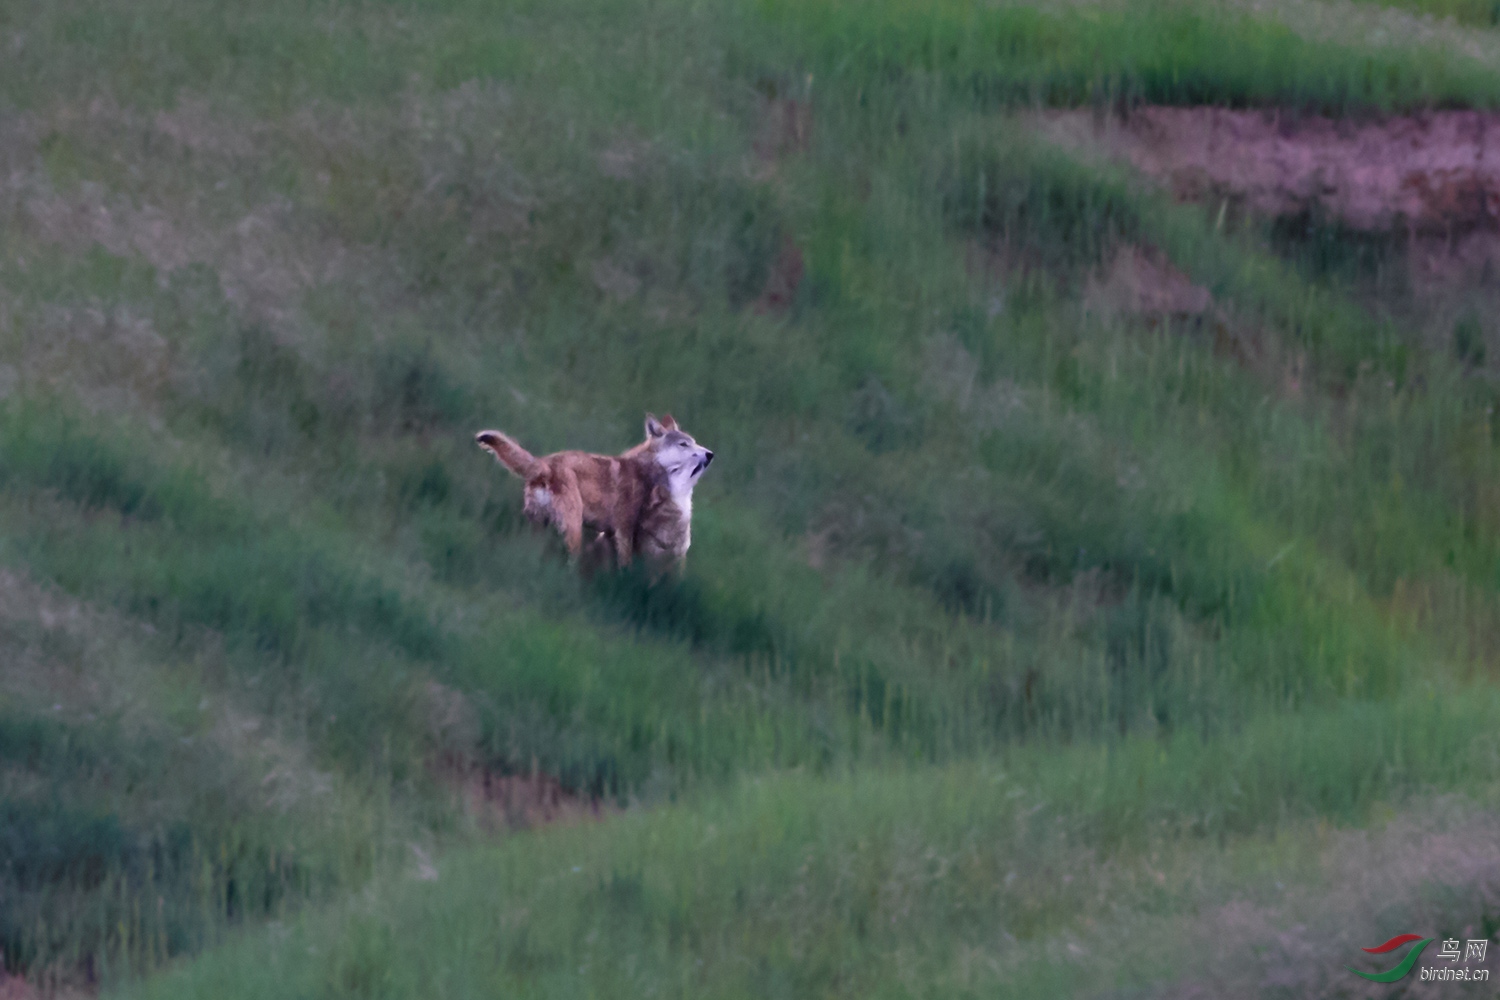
(1437, 173)
(1408, 208)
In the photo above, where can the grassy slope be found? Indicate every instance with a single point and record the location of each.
(962, 881)
(1158, 52)
(1469, 12)
(265, 270)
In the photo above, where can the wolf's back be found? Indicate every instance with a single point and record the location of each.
(511, 455)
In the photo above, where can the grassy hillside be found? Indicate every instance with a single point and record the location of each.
(1014, 628)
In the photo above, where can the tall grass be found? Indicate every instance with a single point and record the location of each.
(1478, 13)
(1120, 54)
(792, 885)
(265, 270)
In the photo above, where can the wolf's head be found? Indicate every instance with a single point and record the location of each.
(679, 456)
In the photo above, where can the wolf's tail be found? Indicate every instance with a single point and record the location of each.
(511, 455)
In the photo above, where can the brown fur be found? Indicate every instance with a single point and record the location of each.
(664, 532)
(571, 489)
(639, 501)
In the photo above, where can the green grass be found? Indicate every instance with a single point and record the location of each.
(983, 583)
(1120, 54)
(1478, 13)
(854, 886)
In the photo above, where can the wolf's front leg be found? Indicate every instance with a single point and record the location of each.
(623, 548)
(670, 568)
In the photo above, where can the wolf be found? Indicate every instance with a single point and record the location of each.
(610, 495)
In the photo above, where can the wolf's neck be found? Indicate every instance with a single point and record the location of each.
(681, 489)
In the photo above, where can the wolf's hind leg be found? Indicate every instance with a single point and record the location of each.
(567, 511)
(598, 553)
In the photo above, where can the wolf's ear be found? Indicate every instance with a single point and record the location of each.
(669, 423)
(654, 429)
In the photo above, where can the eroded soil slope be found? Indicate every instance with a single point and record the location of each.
(1435, 173)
